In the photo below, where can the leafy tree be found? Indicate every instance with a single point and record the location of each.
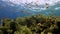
(24, 30)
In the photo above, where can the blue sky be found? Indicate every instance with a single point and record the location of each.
(14, 8)
(39, 2)
(32, 2)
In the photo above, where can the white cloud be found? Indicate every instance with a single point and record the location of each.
(40, 2)
(57, 8)
(33, 2)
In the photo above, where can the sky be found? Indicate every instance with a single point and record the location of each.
(41, 3)
(33, 6)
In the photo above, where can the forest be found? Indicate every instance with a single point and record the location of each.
(35, 24)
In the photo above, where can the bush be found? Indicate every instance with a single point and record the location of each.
(37, 24)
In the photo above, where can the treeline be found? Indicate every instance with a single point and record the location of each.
(38, 24)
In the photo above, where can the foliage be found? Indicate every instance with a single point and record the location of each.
(36, 24)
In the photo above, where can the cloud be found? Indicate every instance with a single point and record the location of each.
(33, 2)
(40, 2)
(57, 8)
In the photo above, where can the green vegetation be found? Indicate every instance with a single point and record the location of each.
(38, 24)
